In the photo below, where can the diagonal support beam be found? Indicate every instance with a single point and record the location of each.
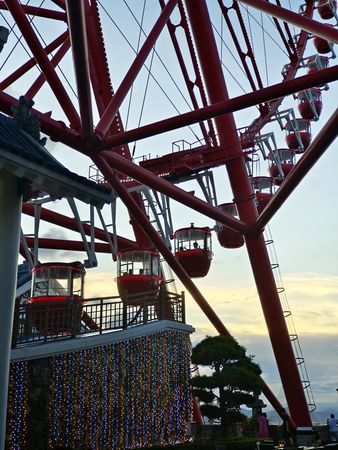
(144, 176)
(78, 37)
(305, 23)
(318, 147)
(45, 65)
(109, 114)
(171, 260)
(14, 76)
(39, 12)
(224, 107)
(39, 82)
(70, 223)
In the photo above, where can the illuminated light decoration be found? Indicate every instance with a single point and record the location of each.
(17, 410)
(124, 395)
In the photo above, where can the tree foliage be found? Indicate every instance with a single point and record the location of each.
(234, 379)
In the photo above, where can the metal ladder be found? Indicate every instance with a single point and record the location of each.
(297, 350)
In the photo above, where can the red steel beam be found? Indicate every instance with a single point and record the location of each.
(60, 3)
(222, 107)
(241, 188)
(39, 12)
(298, 20)
(39, 82)
(109, 114)
(317, 148)
(78, 37)
(157, 241)
(70, 223)
(47, 68)
(170, 258)
(146, 177)
(68, 245)
(99, 70)
(14, 76)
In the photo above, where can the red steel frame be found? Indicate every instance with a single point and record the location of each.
(106, 144)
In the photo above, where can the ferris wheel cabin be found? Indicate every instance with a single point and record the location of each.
(298, 135)
(227, 237)
(315, 63)
(193, 250)
(138, 271)
(322, 45)
(310, 104)
(57, 297)
(263, 188)
(281, 163)
(327, 9)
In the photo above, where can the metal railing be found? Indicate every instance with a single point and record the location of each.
(46, 322)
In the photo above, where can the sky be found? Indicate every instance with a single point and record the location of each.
(304, 232)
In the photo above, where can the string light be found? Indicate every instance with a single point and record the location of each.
(128, 394)
(17, 410)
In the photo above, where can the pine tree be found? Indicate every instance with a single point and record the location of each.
(234, 380)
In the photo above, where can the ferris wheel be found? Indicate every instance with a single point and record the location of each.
(203, 104)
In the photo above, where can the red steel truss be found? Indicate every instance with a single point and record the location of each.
(106, 142)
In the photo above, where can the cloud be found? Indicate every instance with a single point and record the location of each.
(312, 299)
(100, 284)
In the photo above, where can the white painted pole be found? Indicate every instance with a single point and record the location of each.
(10, 219)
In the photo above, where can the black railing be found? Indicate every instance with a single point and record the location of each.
(45, 322)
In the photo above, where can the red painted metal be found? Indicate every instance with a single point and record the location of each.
(103, 92)
(233, 159)
(60, 3)
(138, 272)
(191, 83)
(322, 46)
(193, 250)
(326, 9)
(171, 260)
(144, 176)
(108, 116)
(248, 53)
(309, 25)
(62, 244)
(78, 36)
(318, 147)
(14, 76)
(57, 297)
(39, 12)
(305, 135)
(226, 237)
(196, 413)
(57, 87)
(310, 104)
(261, 267)
(36, 86)
(70, 224)
(99, 71)
(219, 108)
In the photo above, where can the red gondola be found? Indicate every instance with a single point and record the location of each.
(226, 237)
(263, 187)
(298, 136)
(310, 103)
(193, 250)
(281, 163)
(327, 9)
(317, 62)
(138, 271)
(322, 45)
(57, 297)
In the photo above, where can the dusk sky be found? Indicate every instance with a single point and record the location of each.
(304, 230)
